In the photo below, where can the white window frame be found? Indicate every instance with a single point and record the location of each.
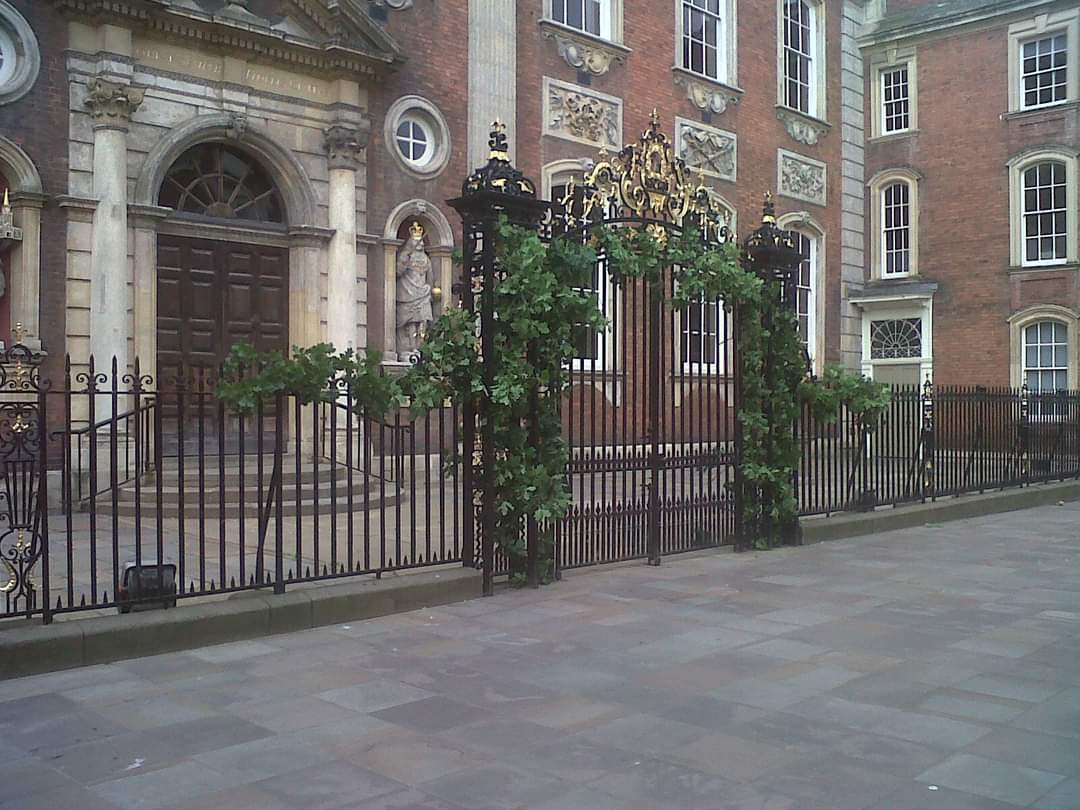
(1017, 231)
(883, 107)
(802, 223)
(417, 108)
(878, 184)
(878, 64)
(894, 308)
(724, 324)
(1029, 316)
(1041, 26)
(611, 13)
(555, 174)
(817, 90)
(727, 44)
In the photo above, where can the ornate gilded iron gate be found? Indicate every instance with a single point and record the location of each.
(651, 414)
(24, 560)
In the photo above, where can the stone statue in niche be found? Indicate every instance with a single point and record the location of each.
(414, 292)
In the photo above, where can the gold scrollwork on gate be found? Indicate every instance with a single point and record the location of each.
(648, 181)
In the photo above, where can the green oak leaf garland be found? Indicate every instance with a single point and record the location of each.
(540, 308)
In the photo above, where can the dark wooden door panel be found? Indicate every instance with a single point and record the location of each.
(212, 295)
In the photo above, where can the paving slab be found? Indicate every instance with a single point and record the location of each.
(924, 668)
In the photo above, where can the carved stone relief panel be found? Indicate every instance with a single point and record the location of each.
(580, 114)
(800, 177)
(707, 149)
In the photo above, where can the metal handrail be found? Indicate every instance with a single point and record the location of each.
(397, 463)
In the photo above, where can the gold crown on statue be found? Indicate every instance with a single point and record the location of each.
(416, 230)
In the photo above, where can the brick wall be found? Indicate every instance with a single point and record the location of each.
(964, 141)
(435, 36)
(38, 124)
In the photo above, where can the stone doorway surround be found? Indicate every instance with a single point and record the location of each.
(141, 95)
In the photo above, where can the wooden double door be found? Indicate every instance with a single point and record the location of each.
(210, 296)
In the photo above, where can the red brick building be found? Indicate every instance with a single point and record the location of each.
(33, 171)
(972, 138)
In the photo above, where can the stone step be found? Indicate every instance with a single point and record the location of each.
(305, 492)
(289, 508)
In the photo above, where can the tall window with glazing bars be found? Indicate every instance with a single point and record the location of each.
(1044, 71)
(798, 56)
(584, 15)
(703, 38)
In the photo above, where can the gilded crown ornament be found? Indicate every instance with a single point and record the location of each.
(416, 230)
(498, 175)
(648, 181)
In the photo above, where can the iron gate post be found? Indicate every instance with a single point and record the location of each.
(772, 254)
(491, 192)
(655, 348)
(43, 502)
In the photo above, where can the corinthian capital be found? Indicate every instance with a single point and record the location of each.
(344, 143)
(111, 103)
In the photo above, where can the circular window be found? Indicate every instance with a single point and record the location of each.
(417, 136)
(8, 57)
(20, 59)
(415, 141)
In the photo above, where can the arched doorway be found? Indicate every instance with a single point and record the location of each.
(230, 285)
(222, 279)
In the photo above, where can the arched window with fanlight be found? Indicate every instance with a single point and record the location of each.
(594, 349)
(218, 181)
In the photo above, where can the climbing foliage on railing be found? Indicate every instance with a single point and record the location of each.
(540, 308)
(319, 373)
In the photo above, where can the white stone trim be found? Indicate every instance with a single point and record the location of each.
(1017, 166)
(28, 64)
(877, 184)
(852, 180)
(801, 178)
(804, 223)
(600, 128)
(1019, 321)
(1065, 20)
(431, 115)
(684, 126)
(729, 19)
(883, 61)
(611, 26)
(819, 88)
(897, 308)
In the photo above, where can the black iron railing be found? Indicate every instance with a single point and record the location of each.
(160, 494)
(933, 443)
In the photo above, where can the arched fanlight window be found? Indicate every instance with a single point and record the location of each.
(214, 180)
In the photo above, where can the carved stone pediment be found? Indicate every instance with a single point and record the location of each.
(805, 129)
(583, 52)
(331, 35)
(707, 95)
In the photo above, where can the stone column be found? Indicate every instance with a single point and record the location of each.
(111, 105)
(25, 277)
(492, 74)
(344, 145)
(853, 196)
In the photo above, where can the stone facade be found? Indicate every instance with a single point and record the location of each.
(33, 161)
(321, 112)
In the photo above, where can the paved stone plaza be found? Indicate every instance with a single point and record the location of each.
(934, 668)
